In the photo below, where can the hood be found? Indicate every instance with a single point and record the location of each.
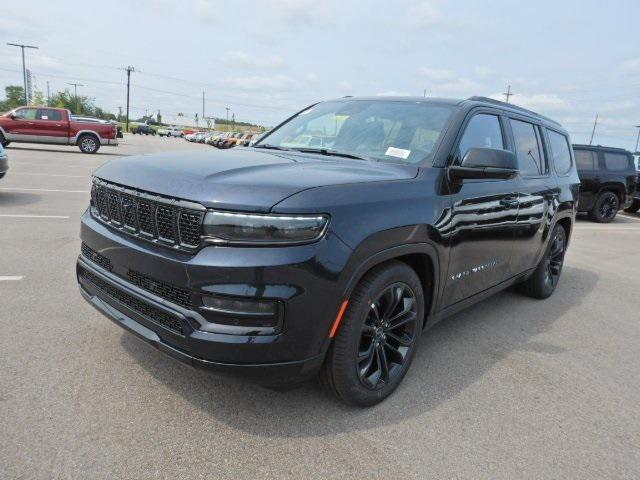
(244, 178)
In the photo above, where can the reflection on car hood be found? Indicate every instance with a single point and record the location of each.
(244, 178)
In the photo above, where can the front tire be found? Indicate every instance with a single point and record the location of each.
(545, 278)
(634, 207)
(88, 143)
(378, 336)
(3, 141)
(605, 208)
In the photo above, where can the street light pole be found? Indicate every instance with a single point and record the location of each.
(24, 69)
(637, 139)
(75, 93)
(227, 108)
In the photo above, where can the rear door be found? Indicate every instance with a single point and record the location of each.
(538, 191)
(51, 126)
(589, 173)
(483, 216)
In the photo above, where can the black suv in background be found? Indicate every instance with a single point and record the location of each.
(284, 260)
(608, 180)
(142, 129)
(635, 203)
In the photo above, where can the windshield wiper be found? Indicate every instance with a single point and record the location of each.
(271, 147)
(334, 153)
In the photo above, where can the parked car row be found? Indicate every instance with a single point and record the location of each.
(223, 139)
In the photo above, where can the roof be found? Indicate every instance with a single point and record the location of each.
(456, 102)
(601, 147)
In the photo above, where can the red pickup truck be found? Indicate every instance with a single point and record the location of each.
(54, 126)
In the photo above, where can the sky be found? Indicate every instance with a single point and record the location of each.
(265, 60)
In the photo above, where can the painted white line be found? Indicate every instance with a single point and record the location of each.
(11, 278)
(32, 216)
(609, 229)
(50, 175)
(631, 217)
(20, 189)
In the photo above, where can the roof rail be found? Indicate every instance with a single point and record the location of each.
(511, 106)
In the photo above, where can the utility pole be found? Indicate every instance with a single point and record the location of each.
(203, 104)
(24, 69)
(424, 94)
(508, 94)
(637, 139)
(593, 132)
(75, 94)
(48, 95)
(227, 108)
(233, 120)
(129, 69)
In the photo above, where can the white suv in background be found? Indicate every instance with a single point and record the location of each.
(170, 132)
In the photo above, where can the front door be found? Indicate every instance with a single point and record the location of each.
(483, 217)
(22, 127)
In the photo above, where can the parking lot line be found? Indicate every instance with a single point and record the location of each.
(42, 190)
(630, 217)
(33, 216)
(14, 278)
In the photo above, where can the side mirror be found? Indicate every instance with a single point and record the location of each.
(488, 163)
(12, 116)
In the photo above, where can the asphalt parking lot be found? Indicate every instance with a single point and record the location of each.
(511, 388)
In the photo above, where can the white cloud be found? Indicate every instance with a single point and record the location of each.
(441, 81)
(424, 15)
(241, 59)
(540, 102)
(261, 83)
(631, 66)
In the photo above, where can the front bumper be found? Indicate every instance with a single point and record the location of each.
(303, 278)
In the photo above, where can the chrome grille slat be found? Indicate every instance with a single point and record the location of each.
(168, 222)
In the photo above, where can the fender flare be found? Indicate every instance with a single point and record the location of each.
(391, 253)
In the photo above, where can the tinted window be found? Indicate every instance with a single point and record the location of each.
(483, 131)
(559, 146)
(586, 159)
(616, 161)
(528, 148)
(26, 113)
(49, 114)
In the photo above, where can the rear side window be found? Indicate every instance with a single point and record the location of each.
(483, 131)
(616, 161)
(586, 159)
(528, 148)
(48, 114)
(560, 152)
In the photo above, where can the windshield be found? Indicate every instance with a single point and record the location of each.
(391, 131)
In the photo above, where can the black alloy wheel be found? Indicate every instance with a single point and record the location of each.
(378, 336)
(388, 334)
(544, 280)
(606, 207)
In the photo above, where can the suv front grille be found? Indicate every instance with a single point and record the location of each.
(168, 222)
(177, 295)
(95, 257)
(140, 307)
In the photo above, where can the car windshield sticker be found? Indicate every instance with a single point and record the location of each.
(398, 152)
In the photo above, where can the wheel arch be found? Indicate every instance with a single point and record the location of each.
(421, 257)
(81, 133)
(617, 189)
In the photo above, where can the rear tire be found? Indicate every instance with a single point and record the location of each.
(378, 336)
(634, 207)
(546, 276)
(605, 208)
(88, 143)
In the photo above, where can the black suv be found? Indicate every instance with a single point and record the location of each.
(281, 261)
(608, 180)
(142, 130)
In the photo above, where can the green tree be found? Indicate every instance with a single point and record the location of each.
(15, 98)
(38, 98)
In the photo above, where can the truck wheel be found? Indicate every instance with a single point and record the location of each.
(605, 208)
(88, 143)
(378, 336)
(3, 141)
(634, 207)
(544, 279)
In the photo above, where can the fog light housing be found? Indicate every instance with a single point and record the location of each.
(243, 312)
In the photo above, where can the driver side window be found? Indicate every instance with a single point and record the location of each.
(26, 114)
(482, 131)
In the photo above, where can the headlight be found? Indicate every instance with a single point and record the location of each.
(242, 228)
